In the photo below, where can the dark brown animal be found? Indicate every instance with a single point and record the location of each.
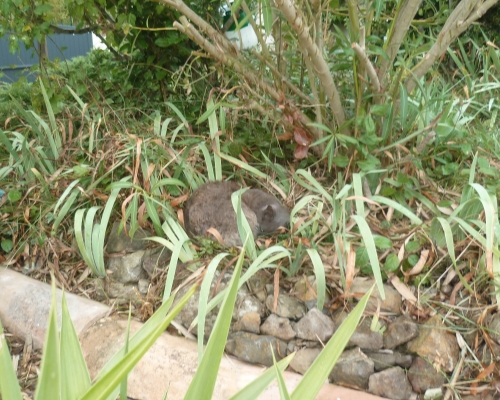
(210, 206)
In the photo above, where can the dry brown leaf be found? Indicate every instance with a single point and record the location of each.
(138, 146)
(365, 199)
(350, 269)
(276, 288)
(298, 223)
(180, 217)
(401, 253)
(389, 214)
(285, 136)
(301, 137)
(124, 211)
(140, 215)
(419, 266)
(216, 234)
(403, 290)
(178, 200)
(483, 374)
(300, 152)
(147, 182)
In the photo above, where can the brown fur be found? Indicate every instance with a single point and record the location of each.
(210, 206)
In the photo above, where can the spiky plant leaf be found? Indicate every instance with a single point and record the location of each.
(316, 375)
(203, 382)
(49, 381)
(75, 378)
(9, 386)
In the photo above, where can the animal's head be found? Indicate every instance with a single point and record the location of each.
(273, 216)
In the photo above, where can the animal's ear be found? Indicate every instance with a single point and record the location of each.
(269, 213)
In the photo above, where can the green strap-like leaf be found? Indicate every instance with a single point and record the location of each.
(75, 378)
(9, 386)
(316, 375)
(49, 380)
(203, 383)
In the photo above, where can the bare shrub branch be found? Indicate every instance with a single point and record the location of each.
(467, 12)
(309, 49)
(397, 32)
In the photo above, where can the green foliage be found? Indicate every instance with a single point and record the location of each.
(491, 22)
(19, 90)
(9, 386)
(91, 245)
(128, 85)
(410, 170)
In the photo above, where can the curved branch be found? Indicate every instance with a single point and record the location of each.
(368, 66)
(202, 25)
(227, 59)
(309, 49)
(467, 12)
(397, 32)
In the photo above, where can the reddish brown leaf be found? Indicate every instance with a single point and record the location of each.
(483, 374)
(285, 136)
(301, 137)
(300, 152)
(178, 200)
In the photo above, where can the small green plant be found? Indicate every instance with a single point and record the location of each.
(91, 240)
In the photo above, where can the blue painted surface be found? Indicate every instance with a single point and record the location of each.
(62, 46)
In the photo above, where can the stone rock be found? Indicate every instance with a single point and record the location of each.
(287, 307)
(246, 303)
(392, 302)
(278, 327)
(255, 348)
(391, 383)
(305, 290)
(435, 344)
(190, 311)
(353, 369)
(339, 317)
(119, 242)
(303, 359)
(121, 293)
(297, 344)
(423, 376)
(364, 338)
(128, 268)
(315, 326)
(400, 331)
(155, 259)
(292, 346)
(143, 286)
(257, 284)
(388, 359)
(249, 322)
